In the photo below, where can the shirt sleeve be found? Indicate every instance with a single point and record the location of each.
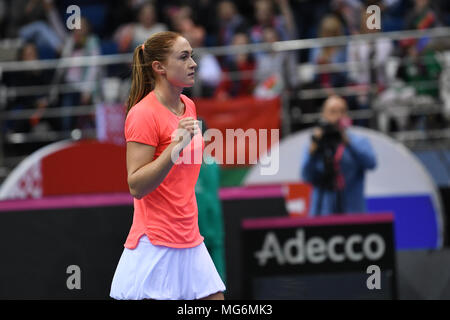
(363, 152)
(311, 168)
(141, 127)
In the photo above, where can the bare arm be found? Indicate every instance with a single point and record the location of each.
(286, 11)
(54, 19)
(145, 175)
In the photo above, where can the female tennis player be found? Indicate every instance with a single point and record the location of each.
(164, 256)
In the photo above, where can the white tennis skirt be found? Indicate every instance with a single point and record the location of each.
(162, 273)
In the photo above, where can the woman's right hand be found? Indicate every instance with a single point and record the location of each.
(187, 128)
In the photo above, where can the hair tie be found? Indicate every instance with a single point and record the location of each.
(142, 47)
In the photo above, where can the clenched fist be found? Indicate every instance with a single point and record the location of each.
(187, 129)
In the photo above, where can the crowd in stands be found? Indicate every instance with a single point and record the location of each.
(118, 26)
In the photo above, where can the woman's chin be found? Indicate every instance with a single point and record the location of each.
(183, 84)
(189, 84)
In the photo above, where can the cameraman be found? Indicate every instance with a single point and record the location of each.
(335, 162)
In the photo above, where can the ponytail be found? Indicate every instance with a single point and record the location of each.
(156, 48)
(141, 78)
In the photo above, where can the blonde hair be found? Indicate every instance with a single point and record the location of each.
(330, 26)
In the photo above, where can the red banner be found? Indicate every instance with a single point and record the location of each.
(248, 114)
(85, 167)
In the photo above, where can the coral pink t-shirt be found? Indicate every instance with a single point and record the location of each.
(168, 215)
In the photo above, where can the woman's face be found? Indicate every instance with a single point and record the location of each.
(225, 10)
(270, 35)
(334, 110)
(420, 4)
(29, 53)
(263, 11)
(180, 66)
(81, 34)
(240, 39)
(147, 15)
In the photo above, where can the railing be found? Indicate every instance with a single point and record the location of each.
(290, 115)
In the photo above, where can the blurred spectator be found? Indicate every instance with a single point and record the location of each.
(415, 50)
(208, 67)
(205, 14)
(393, 107)
(96, 11)
(306, 15)
(131, 35)
(29, 20)
(38, 102)
(242, 65)
(274, 70)
(393, 13)
(369, 58)
(335, 163)
(422, 16)
(230, 22)
(365, 53)
(122, 12)
(225, 22)
(82, 79)
(178, 14)
(21, 13)
(330, 26)
(265, 17)
(419, 70)
(348, 11)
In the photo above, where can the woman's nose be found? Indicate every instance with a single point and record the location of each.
(194, 64)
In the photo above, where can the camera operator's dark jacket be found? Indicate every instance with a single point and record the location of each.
(358, 157)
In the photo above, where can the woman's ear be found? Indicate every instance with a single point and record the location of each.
(158, 67)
